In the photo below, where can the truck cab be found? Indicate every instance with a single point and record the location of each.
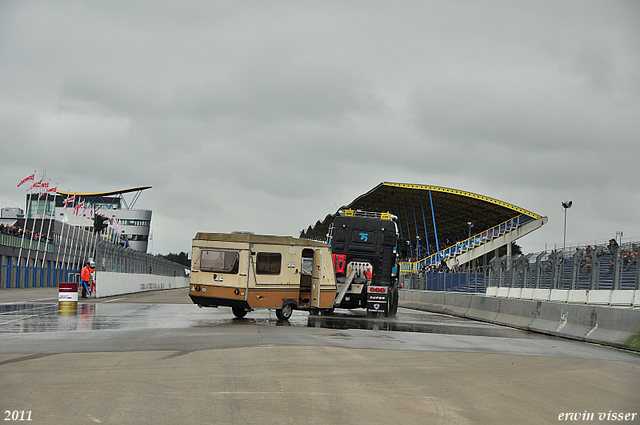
(365, 256)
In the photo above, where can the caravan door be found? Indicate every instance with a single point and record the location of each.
(315, 278)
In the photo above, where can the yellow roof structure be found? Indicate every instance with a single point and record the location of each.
(418, 206)
(109, 193)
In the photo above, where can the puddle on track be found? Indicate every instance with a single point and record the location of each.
(44, 317)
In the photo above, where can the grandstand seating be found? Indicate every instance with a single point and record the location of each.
(469, 244)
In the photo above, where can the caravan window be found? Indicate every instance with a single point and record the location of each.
(219, 261)
(268, 262)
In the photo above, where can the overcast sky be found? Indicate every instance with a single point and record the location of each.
(265, 116)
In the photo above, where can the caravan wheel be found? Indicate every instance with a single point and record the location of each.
(285, 312)
(239, 312)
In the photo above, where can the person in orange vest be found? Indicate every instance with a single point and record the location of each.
(85, 277)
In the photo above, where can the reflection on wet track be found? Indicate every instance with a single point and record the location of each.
(36, 317)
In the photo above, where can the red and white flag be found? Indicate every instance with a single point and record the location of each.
(76, 210)
(26, 179)
(69, 200)
(36, 184)
(52, 190)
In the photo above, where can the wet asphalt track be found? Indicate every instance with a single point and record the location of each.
(135, 344)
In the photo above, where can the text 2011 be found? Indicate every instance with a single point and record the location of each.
(17, 415)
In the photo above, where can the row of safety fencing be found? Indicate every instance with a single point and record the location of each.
(25, 263)
(589, 268)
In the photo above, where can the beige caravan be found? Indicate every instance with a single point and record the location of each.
(247, 272)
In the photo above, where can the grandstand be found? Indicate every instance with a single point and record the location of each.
(439, 224)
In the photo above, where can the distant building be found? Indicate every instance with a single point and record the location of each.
(12, 212)
(130, 226)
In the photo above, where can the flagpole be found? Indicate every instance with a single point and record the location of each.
(66, 205)
(38, 245)
(61, 239)
(82, 247)
(33, 227)
(91, 235)
(52, 217)
(93, 240)
(24, 225)
(85, 248)
(74, 241)
(69, 240)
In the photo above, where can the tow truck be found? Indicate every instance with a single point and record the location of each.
(365, 258)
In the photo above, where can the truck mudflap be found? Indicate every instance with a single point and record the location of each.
(378, 299)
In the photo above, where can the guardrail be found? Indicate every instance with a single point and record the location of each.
(28, 244)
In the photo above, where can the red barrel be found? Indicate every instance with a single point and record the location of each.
(68, 298)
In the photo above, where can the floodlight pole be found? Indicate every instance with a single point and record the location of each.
(564, 241)
(566, 205)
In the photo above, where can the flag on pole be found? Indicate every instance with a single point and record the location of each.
(76, 210)
(67, 200)
(36, 184)
(26, 179)
(53, 189)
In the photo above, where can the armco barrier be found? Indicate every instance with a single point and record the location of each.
(518, 313)
(613, 326)
(457, 304)
(484, 308)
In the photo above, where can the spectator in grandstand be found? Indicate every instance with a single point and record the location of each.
(585, 265)
(613, 245)
(633, 258)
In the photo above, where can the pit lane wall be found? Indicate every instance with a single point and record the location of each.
(614, 326)
(109, 283)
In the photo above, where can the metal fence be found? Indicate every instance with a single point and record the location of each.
(115, 258)
(467, 281)
(595, 268)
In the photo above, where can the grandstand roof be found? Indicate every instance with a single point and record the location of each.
(452, 208)
(109, 193)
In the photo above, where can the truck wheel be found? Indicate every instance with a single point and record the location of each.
(239, 312)
(327, 312)
(285, 312)
(393, 303)
(396, 299)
